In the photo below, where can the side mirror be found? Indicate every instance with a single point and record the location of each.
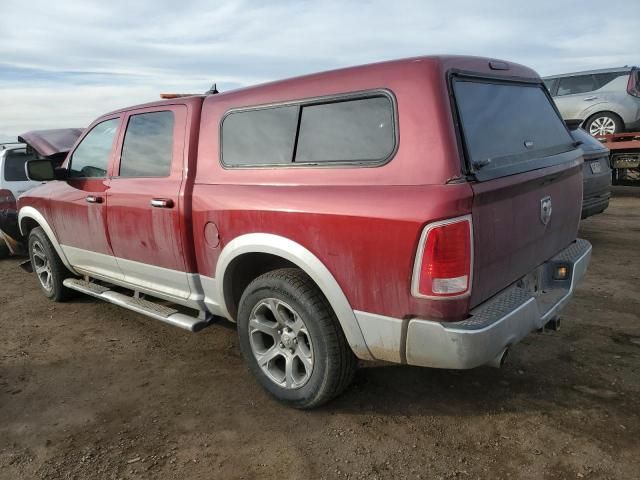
(43, 171)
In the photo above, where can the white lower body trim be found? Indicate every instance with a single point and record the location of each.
(383, 335)
(189, 289)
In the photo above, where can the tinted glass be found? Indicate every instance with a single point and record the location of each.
(604, 78)
(14, 170)
(579, 84)
(91, 157)
(354, 130)
(147, 149)
(506, 124)
(550, 84)
(259, 137)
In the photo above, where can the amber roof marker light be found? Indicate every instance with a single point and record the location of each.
(168, 96)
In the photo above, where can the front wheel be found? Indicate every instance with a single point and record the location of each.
(292, 341)
(47, 266)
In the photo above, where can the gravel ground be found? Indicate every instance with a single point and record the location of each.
(90, 390)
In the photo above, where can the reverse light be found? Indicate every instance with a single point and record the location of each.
(7, 200)
(561, 272)
(444, 260)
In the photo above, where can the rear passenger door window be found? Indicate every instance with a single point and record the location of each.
(577, 84)
(90, 159)
(147, 149)
(341, 131)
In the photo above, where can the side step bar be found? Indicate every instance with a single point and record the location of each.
(139, 305)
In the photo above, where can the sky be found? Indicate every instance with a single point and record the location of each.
(65, 62)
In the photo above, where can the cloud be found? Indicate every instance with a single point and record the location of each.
(63, 63)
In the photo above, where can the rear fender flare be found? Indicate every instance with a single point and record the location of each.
(310, 264)
(35, 215)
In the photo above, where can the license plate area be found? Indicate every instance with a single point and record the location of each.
(532, 281)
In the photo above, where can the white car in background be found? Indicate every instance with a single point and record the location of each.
(52, 144)
(13, 182)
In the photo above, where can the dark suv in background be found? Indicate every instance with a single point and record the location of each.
(607, 101)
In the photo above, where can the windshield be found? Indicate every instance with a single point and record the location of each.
(508, 127)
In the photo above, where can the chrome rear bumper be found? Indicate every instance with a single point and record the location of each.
(492, 327)
(499, 322)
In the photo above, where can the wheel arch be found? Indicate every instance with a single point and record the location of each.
(30, 218)
(600, 108)
(284, 252)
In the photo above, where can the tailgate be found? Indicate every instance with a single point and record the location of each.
(528, 172)
(510, 238)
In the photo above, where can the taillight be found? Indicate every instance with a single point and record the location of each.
(444, 260)
(7, 200)
(633, 85)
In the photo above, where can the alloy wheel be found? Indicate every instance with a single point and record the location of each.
(42, 266)
(280, 343)
(602, 126)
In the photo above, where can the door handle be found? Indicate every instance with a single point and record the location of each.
(93, 199)
(162, 203)
(589, 99)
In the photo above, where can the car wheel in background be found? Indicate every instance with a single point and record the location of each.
(292, 341)
(604, 123)
(48, 267)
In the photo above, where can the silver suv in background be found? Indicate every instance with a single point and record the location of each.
(607, 101)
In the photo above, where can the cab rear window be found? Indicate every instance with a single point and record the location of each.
(509, 127)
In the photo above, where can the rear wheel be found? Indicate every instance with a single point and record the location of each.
(47, 266)
(604, 123)
(292, 341)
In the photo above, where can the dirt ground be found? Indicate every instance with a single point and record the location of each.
(90, 390)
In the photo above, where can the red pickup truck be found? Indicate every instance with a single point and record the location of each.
(421, 211)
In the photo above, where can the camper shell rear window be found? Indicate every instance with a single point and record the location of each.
(508, 127)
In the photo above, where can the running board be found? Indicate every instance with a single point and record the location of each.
(139, 305)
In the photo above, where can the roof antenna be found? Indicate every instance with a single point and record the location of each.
(212, 91)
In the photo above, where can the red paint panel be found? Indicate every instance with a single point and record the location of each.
(138, 231)
(366, 236)
(78, 223)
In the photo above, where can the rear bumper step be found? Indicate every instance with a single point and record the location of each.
(498, 323)
(492, 328)
(145, 307)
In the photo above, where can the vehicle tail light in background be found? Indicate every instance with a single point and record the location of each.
(7, 200)
(633, 86)
(444, 260)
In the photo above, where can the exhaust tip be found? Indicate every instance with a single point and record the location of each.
(500, 359)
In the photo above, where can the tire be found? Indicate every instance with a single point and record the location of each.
(304, 334)
(604, 123)
(4, 249)
(49, 269)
